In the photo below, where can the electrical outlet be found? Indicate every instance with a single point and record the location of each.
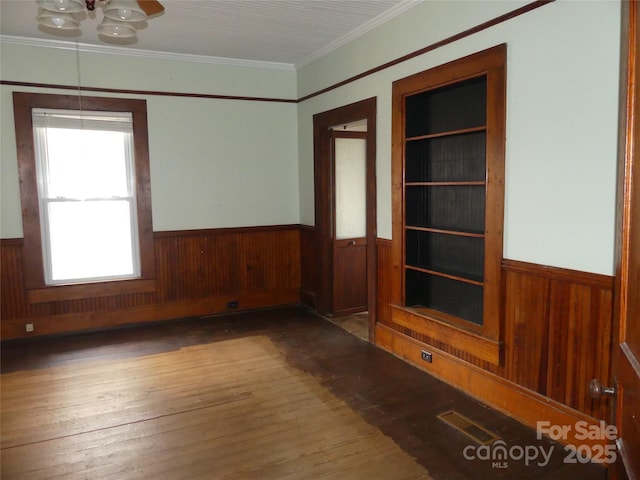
(426, 356)
(233, 304)
(28, 327)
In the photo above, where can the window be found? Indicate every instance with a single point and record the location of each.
(84, 174)
(84, 163)
(449, 132)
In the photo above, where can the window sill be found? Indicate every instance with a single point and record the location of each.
(57, 293)
(467, 340)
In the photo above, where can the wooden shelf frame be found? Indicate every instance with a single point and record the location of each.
(449, 133)
(450, 276)
(445, 184)
(459, 233)
(441, 326)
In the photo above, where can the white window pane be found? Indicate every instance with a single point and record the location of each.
(86, 163)
(350, 187)
(90, 240)
(89, 157)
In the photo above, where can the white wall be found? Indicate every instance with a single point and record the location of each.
(219, 163)
(214, 163)
(562, 85)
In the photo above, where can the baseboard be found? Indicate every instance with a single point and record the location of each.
(97, 320)
(524, 405)
(308, 298)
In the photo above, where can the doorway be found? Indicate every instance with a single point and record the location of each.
(348, 158)
(345, 211)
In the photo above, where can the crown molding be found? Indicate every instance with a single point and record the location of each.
(135, 52)
(361, 30)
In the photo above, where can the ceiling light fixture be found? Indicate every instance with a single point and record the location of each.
(119, 15)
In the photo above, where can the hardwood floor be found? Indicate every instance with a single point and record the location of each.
(215, 406)
(356, 323)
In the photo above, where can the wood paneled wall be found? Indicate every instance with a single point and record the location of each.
(307, 266)
(556, 335)
(557, 323)
(558, 332)
(385, 264)
(197, 273)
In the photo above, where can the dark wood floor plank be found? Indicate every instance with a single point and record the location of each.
(278, 425)
(183, 399)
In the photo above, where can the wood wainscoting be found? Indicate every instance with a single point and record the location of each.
(556, 337)
(307, 266)
(197, 273)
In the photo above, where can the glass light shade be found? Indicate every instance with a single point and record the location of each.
(63, 21)
(116, 29)
(62, 6)
(124, 11)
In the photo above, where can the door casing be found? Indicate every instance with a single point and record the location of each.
(626, 309)
(323, 186)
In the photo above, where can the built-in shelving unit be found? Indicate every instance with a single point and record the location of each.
(448, 171)
(444, 188)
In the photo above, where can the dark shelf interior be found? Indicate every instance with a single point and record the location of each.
(463, 300)
(453, 158)
(458, 208)
(453, 107)
(449, 254)
(445, 187)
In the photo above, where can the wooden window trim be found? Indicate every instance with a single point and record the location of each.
(480, 341)
(34, 278)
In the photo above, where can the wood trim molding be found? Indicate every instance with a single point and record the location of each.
(625, 351)
(468, 341)
(224, 230)
(516, 401)
(107, 319)
(122, 91)
(12, 242)
(23, 103)
(323, 200)
(205, 231)
(557, 273)
(348, 134)
(90, 290)
(453, 38)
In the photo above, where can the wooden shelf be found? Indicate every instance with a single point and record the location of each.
(459, 233)
(446, 134)
(445, 275)
(445, 184)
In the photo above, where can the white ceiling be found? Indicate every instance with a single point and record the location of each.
(287, 32)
